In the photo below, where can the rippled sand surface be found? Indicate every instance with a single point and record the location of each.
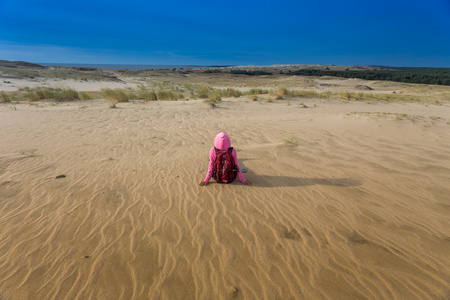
(100, 203)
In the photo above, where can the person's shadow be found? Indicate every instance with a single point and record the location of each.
(282, 181)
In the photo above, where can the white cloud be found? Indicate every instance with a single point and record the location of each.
(43, 53)
(58, 54)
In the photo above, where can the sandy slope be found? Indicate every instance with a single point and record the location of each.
(358, 209)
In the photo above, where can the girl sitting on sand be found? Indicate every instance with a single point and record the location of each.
(222, 144)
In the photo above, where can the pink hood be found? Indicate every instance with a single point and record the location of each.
(222, 141)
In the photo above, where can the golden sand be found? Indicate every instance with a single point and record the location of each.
(359, 209)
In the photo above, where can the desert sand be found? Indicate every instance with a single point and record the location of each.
(101, 203)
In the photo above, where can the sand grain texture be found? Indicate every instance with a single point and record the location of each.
(359, 209)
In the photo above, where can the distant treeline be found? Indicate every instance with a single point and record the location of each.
(210, 71)
(251, 73)
(440, 76)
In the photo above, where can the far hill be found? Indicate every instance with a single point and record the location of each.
(20, 64)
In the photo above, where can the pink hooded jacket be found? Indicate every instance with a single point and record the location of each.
(222, 142)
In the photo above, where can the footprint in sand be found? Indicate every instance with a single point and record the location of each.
(235, 292)
(291, 234)
(358, 239)
(306, 231)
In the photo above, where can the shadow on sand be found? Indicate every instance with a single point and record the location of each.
(283, 181)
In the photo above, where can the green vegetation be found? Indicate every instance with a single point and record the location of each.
(250, 73)
(439, 76)
(85, 96)
(230, 93)
(4, 98)
(202, 92)
(65, 94)
(169, 95)
(118, 95)
(211, 102)
(210, 71)
(258, 92)
(292, 140)
(28, 153)
(214, 98)
(124, 95)
(61, 73)
(145, 94)
(283, 92)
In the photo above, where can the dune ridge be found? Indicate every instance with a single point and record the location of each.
(358, 209)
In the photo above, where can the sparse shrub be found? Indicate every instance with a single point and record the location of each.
(51, 94)
(151, 96)
(348, 95)
(231, 93)
(118, 95)
(253, 97)
(211, 102)
(190, 88)
(306, 93)
(113, 104)
(5, 98)
(65, 94)
(203, 92)
(303, 105)
(257, 92)
(37, 94)
(85, 96)
(215, 96)
(291, 140)
(167, 95)
(148, 96)
(282, 92)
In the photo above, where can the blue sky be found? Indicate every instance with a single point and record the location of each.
(341, 32)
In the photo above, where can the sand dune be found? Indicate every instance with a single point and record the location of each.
(359, 209)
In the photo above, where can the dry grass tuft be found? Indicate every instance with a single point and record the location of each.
(213, 99)
(118, 95)
(4, 98)
(169, 95)
(215, 96)
(292, 140)
(38, 94)
(258, 92)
